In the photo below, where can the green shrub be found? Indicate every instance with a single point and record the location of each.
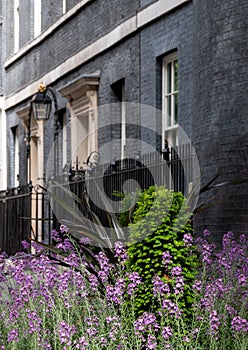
(159, 223)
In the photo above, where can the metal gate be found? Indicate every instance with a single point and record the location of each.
(15, 208)
(24, 212)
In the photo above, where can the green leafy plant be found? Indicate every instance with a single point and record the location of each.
(159, 224)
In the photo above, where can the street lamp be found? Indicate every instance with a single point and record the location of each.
(40, 109)
(41, 103)
(41, 106)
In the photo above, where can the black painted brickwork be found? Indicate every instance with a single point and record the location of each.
(171, 33)
(220, 104)
(211, 40)
(89, 24)
(26, 21)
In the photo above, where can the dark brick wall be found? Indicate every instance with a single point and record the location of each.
(26, 21)
(51, 11)
(121, 62)
(8, 9)
(71, 3)
(171, 33)
(89, 24)
(144, 3)
(220, 104)
(210, 37)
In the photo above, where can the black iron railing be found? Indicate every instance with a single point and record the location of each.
(26, 212)
(15, 208)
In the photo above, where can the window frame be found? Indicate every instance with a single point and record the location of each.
(170, 129)
(37, 18)
(16, 26)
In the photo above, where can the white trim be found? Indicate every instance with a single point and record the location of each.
(128, 27)
(171, 129)
(17, 159)
(169, 59)
(156, 10)
(37, 18)
(16, 25)
(123, 122)
(64, 7)
(64, 141)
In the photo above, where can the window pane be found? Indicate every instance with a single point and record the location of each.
(175, 75)
(176, 108)
(169, 77)
(169, 110)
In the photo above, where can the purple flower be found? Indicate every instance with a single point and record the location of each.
(93, 282)
(63, 229)
(179, 285)
(110, 319)
(151, 342)
(3, 256)
(239, 324)
(146, 322)
(167, 333)
(26, 245)
(55, 236)
(206, 233)
(176, 271)
(172, 308)
(103, 341)
(37, 247)
(73, 260)
(243, 239)
(66, 332)
(92, 321)
(214, 322)
(13, 335)
(197, 286)
(104, 266)
(135, 280)
(188, 239)
(92, 332)
(242, 280)
(227, 238)
(13, 315)
(159, 287)
(186, 339)
(81, 343)
(85, 241)
(34, 322)
(231, 310)
(206, 250)
(115, 293)
(120, 251)
(167, 258)
(66, 245)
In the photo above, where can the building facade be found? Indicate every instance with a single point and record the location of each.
(185, 58)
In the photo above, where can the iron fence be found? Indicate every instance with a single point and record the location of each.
(26, 212)
(125, 176)
(15, 208)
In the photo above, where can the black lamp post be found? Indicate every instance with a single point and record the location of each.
(40, 108)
